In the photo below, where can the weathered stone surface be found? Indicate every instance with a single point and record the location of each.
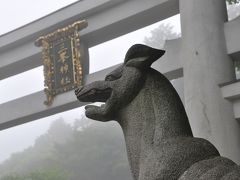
(158, 136)
(212, 168)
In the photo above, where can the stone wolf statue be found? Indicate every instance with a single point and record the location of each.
(159, 140)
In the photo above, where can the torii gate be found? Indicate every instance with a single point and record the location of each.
(202, 56)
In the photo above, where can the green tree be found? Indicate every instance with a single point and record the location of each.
(89, 151)
(159, 35)
(12, 177)
(233, 11)
(47, 174)
(233, 1)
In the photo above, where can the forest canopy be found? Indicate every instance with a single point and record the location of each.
(85, 151)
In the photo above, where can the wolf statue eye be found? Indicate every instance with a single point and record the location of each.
(110, 77)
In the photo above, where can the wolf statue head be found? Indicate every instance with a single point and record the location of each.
(121, 85)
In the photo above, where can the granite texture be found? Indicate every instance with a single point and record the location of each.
(158, 136)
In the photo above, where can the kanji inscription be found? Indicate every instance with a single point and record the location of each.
(61, 60)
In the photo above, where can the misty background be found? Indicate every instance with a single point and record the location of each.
(68, 139)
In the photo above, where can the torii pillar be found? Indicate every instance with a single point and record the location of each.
(206, 65)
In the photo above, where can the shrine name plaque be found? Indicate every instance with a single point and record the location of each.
(61, 60)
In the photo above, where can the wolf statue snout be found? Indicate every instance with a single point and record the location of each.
(158, 136)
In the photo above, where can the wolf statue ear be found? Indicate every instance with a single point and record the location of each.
(142, 56)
